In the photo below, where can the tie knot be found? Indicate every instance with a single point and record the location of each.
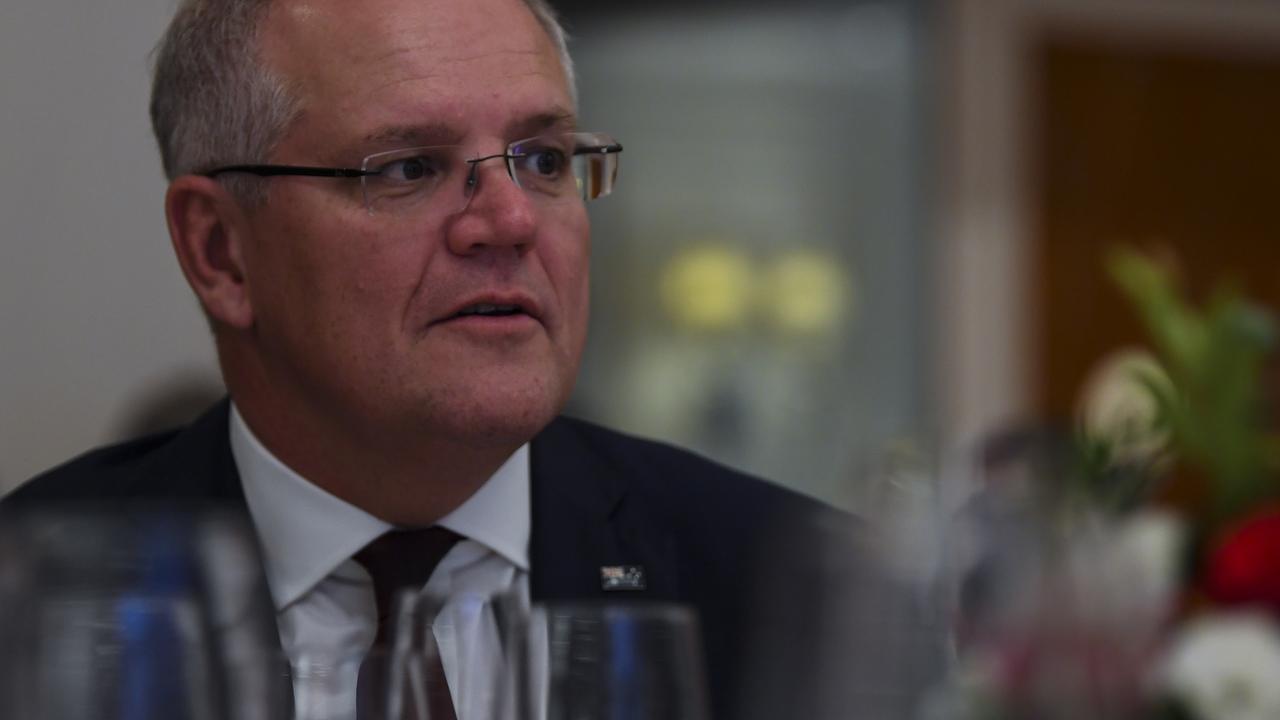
(403, 559)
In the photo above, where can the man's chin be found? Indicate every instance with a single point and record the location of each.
(495, 419)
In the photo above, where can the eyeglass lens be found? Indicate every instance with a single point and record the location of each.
(551, 169)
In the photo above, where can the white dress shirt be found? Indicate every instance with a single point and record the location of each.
(324, 600)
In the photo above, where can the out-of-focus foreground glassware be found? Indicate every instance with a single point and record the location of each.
(1058, 606)
(134, 614)
(509, 662)
(383, 684)
(611, 662)
(475, 634)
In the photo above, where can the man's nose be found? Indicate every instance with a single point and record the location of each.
(498, 213)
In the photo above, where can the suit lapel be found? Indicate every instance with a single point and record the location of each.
(585, 518)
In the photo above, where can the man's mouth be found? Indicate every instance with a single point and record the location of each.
(494, 311)
(490, 310)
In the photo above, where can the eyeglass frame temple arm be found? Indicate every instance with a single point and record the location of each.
(309, 171)
(302, 170)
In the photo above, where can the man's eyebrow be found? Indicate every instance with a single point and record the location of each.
(414, 135)
(555, 119)
(441, 134)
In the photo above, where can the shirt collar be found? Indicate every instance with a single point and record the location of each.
(307, 533)
(497, 515)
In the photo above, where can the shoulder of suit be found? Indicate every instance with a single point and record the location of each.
(666, 469)
(100, 471)
(118, 471)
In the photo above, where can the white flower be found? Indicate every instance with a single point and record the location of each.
(1225, 667)
(1117, 406)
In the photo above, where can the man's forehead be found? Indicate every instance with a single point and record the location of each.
(339, 52)
(372, 30)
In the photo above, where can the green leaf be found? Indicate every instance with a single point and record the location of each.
(1215, 357)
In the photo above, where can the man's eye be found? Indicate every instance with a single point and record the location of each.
(547, 162)
(411, 169)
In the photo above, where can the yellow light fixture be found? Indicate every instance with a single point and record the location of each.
(806, 293)
(707, 288)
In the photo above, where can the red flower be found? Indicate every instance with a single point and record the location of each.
(1244, 569)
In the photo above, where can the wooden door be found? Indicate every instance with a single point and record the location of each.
(1165, 148)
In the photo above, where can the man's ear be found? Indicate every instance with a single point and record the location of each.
(209, 229)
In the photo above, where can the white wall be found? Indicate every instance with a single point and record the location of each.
(93, 310)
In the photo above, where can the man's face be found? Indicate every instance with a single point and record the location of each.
(357, 314)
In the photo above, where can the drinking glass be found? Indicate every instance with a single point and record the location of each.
(405, 680)
(603, 661)
(117, 613)
(473, 633)
(382, 684)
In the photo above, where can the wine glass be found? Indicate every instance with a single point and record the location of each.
(610, 661)
(380, 684)
(126, 613)
(471, 632)
(405, 679)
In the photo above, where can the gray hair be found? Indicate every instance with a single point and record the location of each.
(214, 102)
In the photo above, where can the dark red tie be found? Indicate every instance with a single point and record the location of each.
(405, 559)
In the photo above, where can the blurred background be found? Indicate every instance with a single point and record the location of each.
(841, 228)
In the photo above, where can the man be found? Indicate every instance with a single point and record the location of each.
(397, 285)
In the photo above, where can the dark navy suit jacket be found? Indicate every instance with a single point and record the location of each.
(701, 531)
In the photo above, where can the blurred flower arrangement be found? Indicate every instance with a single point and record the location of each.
(1132, 568)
